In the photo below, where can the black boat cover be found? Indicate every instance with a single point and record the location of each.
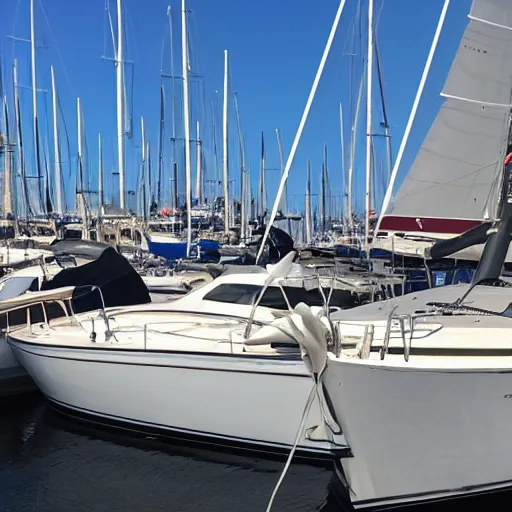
(83, 248)
(120, 284)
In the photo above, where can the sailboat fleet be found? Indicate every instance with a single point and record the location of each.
(356, 353)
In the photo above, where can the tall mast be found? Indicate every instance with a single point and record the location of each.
(241, 146)
(343, 170)
(80, 184)
(34, 98)
(174, 180)
(186, 123)
(199, 166)
(143, 170)
(80, 193)
(8, 154)
(369, 81)
(324, 189)
(262, 191)
(385, 123)
(101, 198)
(284, 204)
(56, 149)
(308, 205)
(19, 139)
(149, 183)
(161, 148)
(225, 148)
(120, 103)
(353, 140)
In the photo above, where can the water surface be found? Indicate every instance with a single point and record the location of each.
(49, 463)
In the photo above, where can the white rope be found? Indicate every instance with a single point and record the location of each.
(300, 430)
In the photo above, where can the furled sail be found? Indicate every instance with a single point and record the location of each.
(455, 179)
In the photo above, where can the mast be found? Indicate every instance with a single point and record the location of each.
(56, 150)
(80, 184)
(385, 123)
(199, 166)
(324, 189)
(120, 103)
(149, 185)
(225, 148)
(19, 135)
(369, 123)
(161, 148)
(80, 192)
(308, 205)
(284, 204)
(262, 191)
(353, 141)
(343, 173)
(101, 198)
(34, 99)
(174, 180)
(8, 151)
(243, 210)
(143, 169)
(246, 204)
(186, 123)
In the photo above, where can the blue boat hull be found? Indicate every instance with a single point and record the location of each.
(178, 250)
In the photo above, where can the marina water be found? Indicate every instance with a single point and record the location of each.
(49, 463)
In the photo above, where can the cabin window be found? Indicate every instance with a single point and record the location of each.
(236, 293)
(246, 294)
(15, 286)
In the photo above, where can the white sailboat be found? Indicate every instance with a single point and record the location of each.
(185, 369)
(14, 379)
(420, 384)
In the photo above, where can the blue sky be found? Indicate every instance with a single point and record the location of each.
(275, 47)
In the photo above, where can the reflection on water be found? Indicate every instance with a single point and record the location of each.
(51, 464)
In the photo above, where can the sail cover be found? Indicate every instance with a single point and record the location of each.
(457, 172)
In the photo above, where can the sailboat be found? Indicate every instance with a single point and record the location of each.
(453, 184)
(205, 367)
(420, 385)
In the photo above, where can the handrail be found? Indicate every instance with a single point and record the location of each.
(407, 343)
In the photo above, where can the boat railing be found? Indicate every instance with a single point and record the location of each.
(406, 323)
(60, 296)
(235, 333)
(403, 324)
(26, 301)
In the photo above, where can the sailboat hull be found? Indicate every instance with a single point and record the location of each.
(177, 249)
(420, 434)
(14, 380)
(244, 402)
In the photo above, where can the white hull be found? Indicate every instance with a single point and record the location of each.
(421, 434)
(250, 400)
(14, 379)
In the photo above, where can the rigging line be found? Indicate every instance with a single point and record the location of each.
(67, 134)
(59, 53)
(111, 27)
(131, 42)
(379, 68)
(48, 187)
(16, 13)
(162, 52)
(379, 13)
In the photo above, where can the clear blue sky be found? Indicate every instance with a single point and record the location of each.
(275, 47)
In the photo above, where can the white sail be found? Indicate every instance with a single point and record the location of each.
(456, 174)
